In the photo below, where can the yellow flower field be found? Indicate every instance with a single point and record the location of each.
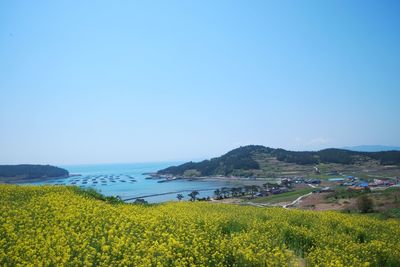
(55, 226)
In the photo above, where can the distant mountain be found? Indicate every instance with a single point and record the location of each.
(372, 148)
(29, 172)
(255, 160)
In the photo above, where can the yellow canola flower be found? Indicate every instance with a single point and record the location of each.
(55, 226)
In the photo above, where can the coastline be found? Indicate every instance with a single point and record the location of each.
(167, 193)
(235, 180)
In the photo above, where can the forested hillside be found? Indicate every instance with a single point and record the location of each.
(249, 157)
(28, 171)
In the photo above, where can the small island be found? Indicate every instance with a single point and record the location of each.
(23, 173)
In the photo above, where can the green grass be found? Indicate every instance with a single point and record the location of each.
(285, 197)
(93, 193)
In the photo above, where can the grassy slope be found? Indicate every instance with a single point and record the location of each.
(285, 197)
(386, 203)
(58, 226)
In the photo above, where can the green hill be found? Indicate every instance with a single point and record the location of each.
(255, 160)
(29, 172)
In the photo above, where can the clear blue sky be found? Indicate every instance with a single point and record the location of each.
(130, 81)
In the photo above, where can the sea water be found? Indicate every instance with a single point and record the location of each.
(129, 181)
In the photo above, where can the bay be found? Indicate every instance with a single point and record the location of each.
(128, 180)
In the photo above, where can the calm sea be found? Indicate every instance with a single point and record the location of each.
(128, 181)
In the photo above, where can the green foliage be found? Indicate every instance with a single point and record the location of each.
(392, 213)
(365, 204)
(232, 226)
(386, 157)
(284, 197)
(333, 155)
(347, 193)
(191, 173)
(140, 201)
(217, 193)
(193, 195)
(28, 171)
(243, 161)
(240, 158)
(296, 157)
(93, 193)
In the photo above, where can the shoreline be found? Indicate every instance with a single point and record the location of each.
(168, 193)
(234, 180)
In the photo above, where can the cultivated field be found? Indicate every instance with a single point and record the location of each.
(56, 226)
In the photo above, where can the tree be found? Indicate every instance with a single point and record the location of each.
(247, 189)
(225, 191)
(193, 195)
(365, 204)
(269, 186)
(233, 191)
(286, 183)
(140, 201)
(217, 193)
(253, 190)
(179, 197)
(191, 173)
(236, 191)
(240, 191)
